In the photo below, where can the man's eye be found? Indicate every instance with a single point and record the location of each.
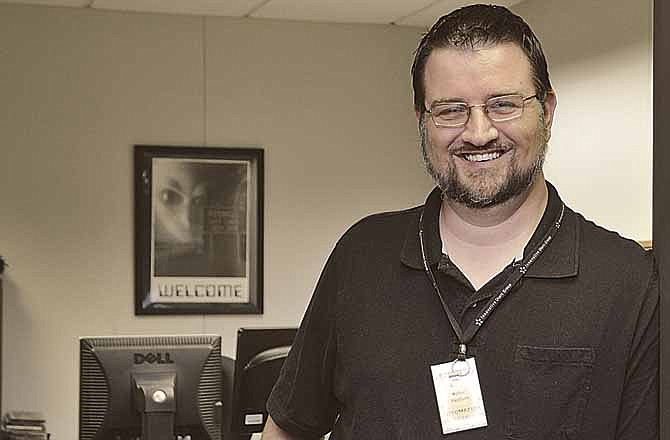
(171, 198)
(503, 107)
(503, 104)
(450, 111)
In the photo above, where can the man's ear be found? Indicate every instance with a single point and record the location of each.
(549, 106)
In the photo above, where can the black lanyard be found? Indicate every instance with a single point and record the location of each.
(464, 337)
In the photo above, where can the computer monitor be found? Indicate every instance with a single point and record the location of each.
(259, 357)
(150, 387)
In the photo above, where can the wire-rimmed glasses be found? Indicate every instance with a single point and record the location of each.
(498, 109)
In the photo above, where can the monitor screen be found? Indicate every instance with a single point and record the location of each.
(259, 357)
(150, 387)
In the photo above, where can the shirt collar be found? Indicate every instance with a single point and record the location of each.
(559, 260)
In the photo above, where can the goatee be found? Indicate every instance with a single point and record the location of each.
(516, 183)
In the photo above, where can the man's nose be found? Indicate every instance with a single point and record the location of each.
(479, 130)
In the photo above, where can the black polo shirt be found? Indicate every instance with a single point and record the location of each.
(572, 351)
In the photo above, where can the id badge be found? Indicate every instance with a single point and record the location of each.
(459, 396)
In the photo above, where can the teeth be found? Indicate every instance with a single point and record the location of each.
(482, 157)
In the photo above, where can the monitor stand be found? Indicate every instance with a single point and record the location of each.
(155, 400)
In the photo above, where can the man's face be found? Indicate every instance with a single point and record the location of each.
(484, 163)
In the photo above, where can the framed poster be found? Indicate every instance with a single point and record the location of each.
(198, 230)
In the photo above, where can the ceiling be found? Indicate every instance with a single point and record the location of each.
(420, 13)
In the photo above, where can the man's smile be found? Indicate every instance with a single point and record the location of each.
(485, 156)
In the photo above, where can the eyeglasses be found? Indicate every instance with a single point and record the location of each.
(498, 109)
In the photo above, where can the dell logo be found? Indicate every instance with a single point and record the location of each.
(152, 358)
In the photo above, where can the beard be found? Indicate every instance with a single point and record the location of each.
(476, 194)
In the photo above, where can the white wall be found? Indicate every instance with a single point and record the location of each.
(80, 87)
(599, 55)
(330, 104)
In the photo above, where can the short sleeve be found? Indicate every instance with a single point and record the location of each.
(638, 415)
(302, 401)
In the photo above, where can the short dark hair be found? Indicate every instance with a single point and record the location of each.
(475, 26)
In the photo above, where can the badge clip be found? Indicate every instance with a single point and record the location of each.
(462, 351)
(460, 366)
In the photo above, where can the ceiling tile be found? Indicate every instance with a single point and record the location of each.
(231, 8)
(338, 11)
(426, 17)
(71, 3)
(421, 13)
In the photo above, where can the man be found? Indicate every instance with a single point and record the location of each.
(493, 311)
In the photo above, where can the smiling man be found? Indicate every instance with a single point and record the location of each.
(492, 311)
